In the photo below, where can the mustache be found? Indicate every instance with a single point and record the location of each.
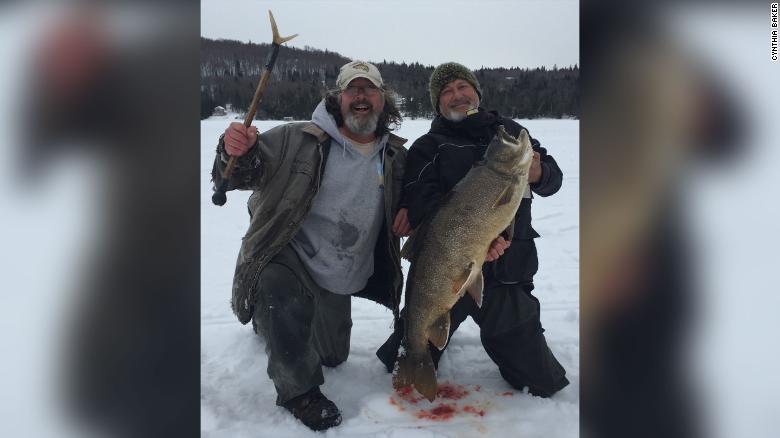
(461, 101)
(354, 105)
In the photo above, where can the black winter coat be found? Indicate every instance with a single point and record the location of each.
(443, 156)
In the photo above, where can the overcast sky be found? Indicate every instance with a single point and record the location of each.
(492, 33)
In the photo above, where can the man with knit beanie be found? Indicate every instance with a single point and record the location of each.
(510, 328)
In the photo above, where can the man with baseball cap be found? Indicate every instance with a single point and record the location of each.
(510, 328)
(323, 227)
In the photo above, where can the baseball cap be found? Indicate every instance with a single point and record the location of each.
(358, 69)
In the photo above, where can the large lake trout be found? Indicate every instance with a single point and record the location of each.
(448, 249)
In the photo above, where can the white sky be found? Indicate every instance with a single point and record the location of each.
(491, 33)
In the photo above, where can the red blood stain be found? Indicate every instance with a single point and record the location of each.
(443, 411)
(406, 390)
(396, 404)
(473, 410)
(508, 393)
(451, 392)
(439, 413)
(409, 395)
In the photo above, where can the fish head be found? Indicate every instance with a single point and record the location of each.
(508, 155)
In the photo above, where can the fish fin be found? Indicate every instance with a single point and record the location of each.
(462, 280)
(416, 370)
(439, 331)
(471, 275)
(476, 287)
(505, 196)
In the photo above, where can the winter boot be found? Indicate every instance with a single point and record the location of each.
(314, 410)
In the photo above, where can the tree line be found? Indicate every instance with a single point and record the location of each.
(230, 71)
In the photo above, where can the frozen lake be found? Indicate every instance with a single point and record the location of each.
(238, 398)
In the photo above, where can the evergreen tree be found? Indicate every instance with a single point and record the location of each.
(230, 71)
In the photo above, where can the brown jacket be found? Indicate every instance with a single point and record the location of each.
(284, 170)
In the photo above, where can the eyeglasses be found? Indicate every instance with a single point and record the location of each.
(369, 91)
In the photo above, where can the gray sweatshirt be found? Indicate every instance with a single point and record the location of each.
(337, 239)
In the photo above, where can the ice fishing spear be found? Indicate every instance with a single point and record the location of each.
(219, 197)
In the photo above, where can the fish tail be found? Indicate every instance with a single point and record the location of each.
(416, 370)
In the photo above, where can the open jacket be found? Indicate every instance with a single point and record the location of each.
(284, 169)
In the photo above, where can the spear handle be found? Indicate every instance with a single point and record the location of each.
(219, 197)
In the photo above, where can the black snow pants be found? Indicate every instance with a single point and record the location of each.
(304, 325)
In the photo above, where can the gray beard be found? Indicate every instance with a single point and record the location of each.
(454, 116)
(364, 125)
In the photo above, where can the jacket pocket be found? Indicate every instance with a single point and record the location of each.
(300, 180)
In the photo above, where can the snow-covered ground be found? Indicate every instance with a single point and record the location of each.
(238, 398)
